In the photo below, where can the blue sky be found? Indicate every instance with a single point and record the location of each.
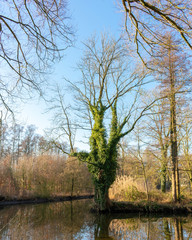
(88, 18)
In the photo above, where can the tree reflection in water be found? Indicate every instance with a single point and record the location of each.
(150, 228)
(73, 220)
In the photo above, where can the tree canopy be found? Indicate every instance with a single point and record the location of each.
(150, 20)
(32, 35)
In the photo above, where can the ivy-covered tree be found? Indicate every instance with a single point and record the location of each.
(109, 89)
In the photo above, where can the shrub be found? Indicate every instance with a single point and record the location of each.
(44, 176)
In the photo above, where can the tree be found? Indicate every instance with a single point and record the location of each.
(16, 142)
(30, 141)
(3, 136)
(157, 132)
(173, 71)
(108, 80)
(62, 127)
(150, 20)
(33, 34)
(138, 156)
(185, 135)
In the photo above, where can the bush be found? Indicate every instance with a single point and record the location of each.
(44, 176)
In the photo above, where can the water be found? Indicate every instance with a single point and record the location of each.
(73, 220)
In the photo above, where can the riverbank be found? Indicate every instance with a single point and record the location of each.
(5, 202)
(151, 207)
(116, 207)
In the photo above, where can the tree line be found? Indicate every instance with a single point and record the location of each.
(17, 141)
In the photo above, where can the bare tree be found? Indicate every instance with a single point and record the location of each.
(3, 136)
(157, 133)
(173, 71)
(110, 89)
(16, 142)
(139, 157)
(33, 34)
(63, 127)
(150, 19)
(185, 143)
(30, 141)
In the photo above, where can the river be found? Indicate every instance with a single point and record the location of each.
(73, 220)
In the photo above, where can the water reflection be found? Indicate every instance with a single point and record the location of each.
(73, 220)
(177, 228)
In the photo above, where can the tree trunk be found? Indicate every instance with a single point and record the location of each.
(172, 90)
(177, 181)
(173, 142)
(174, 193)
(145, 178)
(164, 169)
(72, 185)
(174, 158)
(163, 177)
(102, 198)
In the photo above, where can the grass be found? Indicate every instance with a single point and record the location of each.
(128, 189)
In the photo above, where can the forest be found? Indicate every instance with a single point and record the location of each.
(131, 104)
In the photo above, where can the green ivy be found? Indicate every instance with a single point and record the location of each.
(102, 159)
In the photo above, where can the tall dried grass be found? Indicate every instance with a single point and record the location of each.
(127, 188)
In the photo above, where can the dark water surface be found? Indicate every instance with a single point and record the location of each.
(73, 220)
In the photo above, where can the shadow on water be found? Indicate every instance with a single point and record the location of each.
(73, 220)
